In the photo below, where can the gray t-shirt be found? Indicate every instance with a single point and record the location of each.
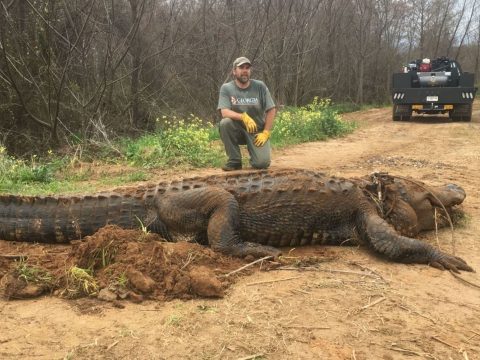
(254, 100)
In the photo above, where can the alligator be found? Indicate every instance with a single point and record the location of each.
(252, 213)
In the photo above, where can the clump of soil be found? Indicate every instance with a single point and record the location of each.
(118, 264)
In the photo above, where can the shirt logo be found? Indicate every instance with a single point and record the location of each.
(243, 101)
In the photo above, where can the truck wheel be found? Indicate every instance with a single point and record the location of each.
(461, 112)
(452, 116)
(401, 113)
(468, 116)
(395, 117)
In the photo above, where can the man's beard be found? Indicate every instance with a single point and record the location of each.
(243, 79)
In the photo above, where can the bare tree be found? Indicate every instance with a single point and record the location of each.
(93, 70)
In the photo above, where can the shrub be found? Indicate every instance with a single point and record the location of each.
(313, 122)
(176, 142)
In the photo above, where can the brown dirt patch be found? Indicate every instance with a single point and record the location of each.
(125, 264)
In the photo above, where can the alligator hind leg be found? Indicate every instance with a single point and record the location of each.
(214, 211)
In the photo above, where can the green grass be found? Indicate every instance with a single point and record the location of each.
(177, 143)
(55, 187)
(16, 172)
(33, 274)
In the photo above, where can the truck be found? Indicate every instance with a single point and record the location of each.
(437, 86)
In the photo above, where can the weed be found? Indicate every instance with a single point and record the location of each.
(122, 280)
(174, 320)
(80, 282)
(143, 227)
(32, 274)
(102, 256)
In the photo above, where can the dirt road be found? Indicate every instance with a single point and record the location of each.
(351, 305)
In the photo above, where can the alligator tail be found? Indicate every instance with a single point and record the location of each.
(62, 219)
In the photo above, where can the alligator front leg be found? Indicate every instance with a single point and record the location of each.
(383, 239)
(213, 210)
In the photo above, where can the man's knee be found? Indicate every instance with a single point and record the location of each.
(231, 131)
(226, 124)
(261, 163)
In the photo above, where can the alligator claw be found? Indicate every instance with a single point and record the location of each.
(450, 262)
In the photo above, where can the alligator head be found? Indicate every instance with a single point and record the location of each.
(412, 206)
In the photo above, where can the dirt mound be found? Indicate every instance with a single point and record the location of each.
(117, 264)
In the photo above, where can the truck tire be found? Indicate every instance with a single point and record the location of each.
(468, 116)
(462, 112)
(401, 112)
(452, 116)
(395, 117)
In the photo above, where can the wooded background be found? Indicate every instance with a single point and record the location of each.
(91, 70)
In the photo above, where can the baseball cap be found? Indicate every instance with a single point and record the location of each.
(240, 61)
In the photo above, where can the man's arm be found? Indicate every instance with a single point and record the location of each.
(262, 138)
(269, 117)
(227, 113)
(225, 106)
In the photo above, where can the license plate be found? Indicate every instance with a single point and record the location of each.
(432, 98)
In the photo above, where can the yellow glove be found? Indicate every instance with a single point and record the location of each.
(261, 139)
(250, 124)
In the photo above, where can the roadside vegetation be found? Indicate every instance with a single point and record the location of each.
(176, 144)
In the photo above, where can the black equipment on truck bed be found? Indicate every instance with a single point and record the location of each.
(433, 87)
